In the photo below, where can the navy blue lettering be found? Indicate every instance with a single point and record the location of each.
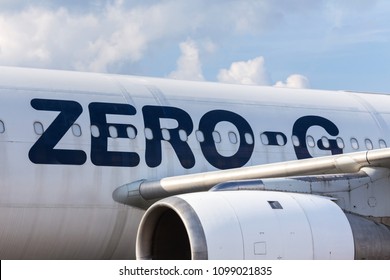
(207, 125)
(300, 129)
(43, 152)
(152, 116)
(99, 154)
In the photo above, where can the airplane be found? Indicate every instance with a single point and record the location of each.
(104, 166)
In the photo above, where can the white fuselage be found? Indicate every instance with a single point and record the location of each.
(56, 184)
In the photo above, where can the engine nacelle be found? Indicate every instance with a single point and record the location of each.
(245, 225)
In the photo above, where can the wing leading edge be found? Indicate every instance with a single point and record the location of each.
(143, 193)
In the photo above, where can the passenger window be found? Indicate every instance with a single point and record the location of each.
(233, 137)
(295, 140)
(199, 136)
(76, 130)
(325, 142)
(264, 139)
(2, 127)
(38, 128)
(216, 137)
(340, 143)
(310, 141)
(249, 138)
(165, 134)
(113, 131)
(148, 133)
(131, 132)
(281, 141)
(183, 135)
(95, 131)
(369, 145)
(382, 144)
(354, 143)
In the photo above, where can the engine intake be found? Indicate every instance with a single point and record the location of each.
(256, 225)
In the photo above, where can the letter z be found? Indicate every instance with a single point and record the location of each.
(43, 152)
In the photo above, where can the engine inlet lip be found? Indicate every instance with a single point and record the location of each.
(187, 215)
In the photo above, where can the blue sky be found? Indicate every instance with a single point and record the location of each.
(336, 45)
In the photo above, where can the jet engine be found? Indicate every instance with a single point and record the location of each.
(257, 225)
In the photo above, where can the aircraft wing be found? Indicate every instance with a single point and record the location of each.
(143, 193)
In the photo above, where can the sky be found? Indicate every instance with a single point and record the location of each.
(333, 44)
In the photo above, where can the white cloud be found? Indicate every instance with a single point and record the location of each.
(43, 37)
(137, 36)
(188, 65)
(254, 72)
(104, 35)
(251, 72)
(294, 81)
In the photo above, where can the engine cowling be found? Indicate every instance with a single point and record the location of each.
(245, 225)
